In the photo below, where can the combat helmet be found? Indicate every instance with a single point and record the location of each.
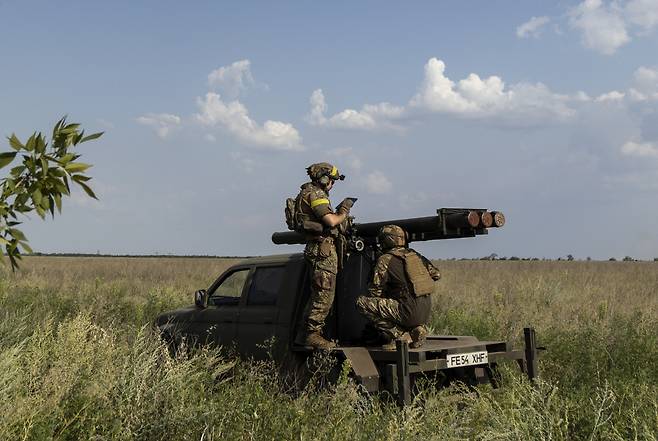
(323, 172)
(391, 236)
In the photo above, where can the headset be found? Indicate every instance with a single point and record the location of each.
(325, 178)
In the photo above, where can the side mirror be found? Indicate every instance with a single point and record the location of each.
(201, 298)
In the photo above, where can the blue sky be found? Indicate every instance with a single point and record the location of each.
(544, 110)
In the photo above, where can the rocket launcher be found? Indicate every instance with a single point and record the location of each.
(448, 223)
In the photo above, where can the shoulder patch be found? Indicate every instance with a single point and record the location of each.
(319, 201)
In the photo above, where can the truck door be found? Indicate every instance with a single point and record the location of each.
(259, 313)
(217, 323)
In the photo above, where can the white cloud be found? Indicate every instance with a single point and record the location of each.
(605, 26)
(643, 13)
(162, 123)
(347, 156)
(640, 149)
(645, 84)
(234, 118)
(602, 27)
(370, 117)
(610, 97)
(232, 79)
(532, 28)
(581, 96)
(520, 104)
(377, 183)
(318, 108)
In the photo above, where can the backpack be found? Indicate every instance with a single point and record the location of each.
(418, 275)
(292, 219)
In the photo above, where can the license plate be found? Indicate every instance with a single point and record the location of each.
(467, 359)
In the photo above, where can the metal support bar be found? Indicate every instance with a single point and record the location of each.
(530, 353)
(404, 381)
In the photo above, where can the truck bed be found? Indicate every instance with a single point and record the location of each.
(376, 368)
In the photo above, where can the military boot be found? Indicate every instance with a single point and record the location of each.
(390, 346)
(418, 335)
(317, 341)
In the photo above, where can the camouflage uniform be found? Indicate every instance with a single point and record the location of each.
(390, 304)
(320, 255)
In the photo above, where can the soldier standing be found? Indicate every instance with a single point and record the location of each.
(398, 302)
(317, 220)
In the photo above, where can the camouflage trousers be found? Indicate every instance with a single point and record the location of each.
(322, 262)
(383, 313)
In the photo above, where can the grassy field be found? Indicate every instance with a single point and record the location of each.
(79, 361)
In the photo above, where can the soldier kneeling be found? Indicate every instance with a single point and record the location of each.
(398, 302)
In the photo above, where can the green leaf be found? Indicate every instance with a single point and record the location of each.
(15, 143)
(71, 127)
(80, 178)
(76, 167)
(93, 136)
(61, 188)
(40, 211)
(13, 260)
(51, 205)
(20, 201)
(6, 158)
(17, 170)
(66, 158)
(31, 142)
(16, 233)
(36, 197)
(44, 167)
(40, 144)
(3, 241)
(26, 247)
(58, 126)
(56, 171)
(14, 256)
(87, 190)
(58, 202)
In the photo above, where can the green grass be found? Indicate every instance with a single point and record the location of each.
(78, 359)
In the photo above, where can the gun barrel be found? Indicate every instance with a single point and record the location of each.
(498, 219)
(448, 223)
(288, 238)
(486, 219)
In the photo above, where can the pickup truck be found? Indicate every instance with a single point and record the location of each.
(256, 306)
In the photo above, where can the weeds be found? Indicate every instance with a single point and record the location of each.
(78, 359)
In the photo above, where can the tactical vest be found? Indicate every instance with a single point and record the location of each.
(419, 277)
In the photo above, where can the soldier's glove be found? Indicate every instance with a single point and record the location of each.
(346, 205)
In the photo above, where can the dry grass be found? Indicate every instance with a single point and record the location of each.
(78, 362)
(547, 294)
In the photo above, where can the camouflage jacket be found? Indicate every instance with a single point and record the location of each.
(313, 203)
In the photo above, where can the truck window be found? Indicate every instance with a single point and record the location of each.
(230, 290)
(265, 285)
